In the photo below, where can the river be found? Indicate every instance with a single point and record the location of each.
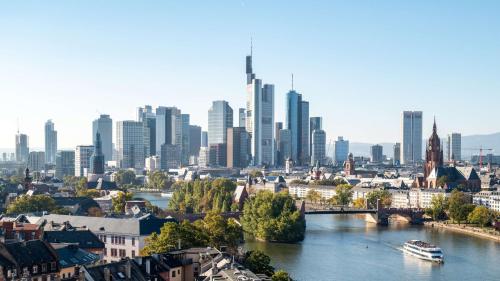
(345, 247)
(154, 197)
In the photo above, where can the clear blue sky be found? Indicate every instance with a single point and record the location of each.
(359, 63)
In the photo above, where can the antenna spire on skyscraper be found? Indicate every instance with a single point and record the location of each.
(292, 81)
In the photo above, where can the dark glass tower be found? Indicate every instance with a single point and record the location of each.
(97, 158)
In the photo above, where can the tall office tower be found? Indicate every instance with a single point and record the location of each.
(82, 160)
(285, 146)
(411, 151)
(238, 147)
(315, 123)
(104, 126)
(4, 156)
(454, 147)
(305, 157)
(218, 155)
(278, 126)
(297, 121)
(148, 118)
(220, 117)
(377, 153)
(186, 139)
(152, 163)
(318, 151)
(397, 154)
(241, 117)
(203, 157)
(168, 127)
(65, 163)
(194, 140)
(50, 142)
(259, 117)
(130, 144)
(204, 139)
(341, 150)
(36, 161)
(170, 157)
(22, 148)
(97, 158)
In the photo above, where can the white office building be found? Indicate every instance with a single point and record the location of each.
(82, 159)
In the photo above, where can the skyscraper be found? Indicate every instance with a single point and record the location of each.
(397, 154)
(130, 144)
(259, 117)
(204, 139)
(36, 161)
(411, 151)
(170, 156)
(148, 118)
(83, 154)
(97, 158)
(168, 126)
(315, 123)
(65, 163)
(220, 117)
(50, 142)
(186, 139)
(454, 147)
(278, 126)
(341, 150)
(285, 146)
(194, 140)
(305, 134)
(238, 147)
(377, 153)
(318, 152)
(241, 117)
(104, 126)
(297, 121)
(22, 148)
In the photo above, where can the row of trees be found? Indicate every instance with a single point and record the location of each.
(343, 196)
(202, 196)
(34, 204)
(459, 209)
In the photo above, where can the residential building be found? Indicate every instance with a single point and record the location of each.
(454, 147)
(396, 160)
(130, 144)
(318, 152)
(71, 258)
(341, 150)
(411, 142)
(83, 153)
(377, 154)
(171, 155)
(65, 163)
(22, 148)
(36, 161)
(487, 198)
(220, 117)
(104, 126)
(238, 147)
(50, 142)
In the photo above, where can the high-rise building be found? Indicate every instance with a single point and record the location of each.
(285, 146)
(204, 139)
(218, 155)
(22, 148)
(454, 147)
(411, 151)
(341, 150)
(203, 157)
(97, 158)
(171, 155)
(305, 134)
(148, 118)
(36, 161)
(194, 140)
(241, 117)
(377, 153)
(318, 152)
(238, 147)
(168, 127)
(297, 121)
(260, 117)
(65, 163)
(220, 117)
(104, 126)
(315, 123)
(186, 139)
(50, 142)
(130, 144)
(397, 154)
(83, 153)
(152, 163)
(278, 126)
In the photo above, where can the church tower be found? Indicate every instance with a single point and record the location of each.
(433, 153)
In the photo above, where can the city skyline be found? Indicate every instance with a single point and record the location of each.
(51, 68)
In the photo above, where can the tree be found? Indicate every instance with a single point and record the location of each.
(481, 215)
(359, 203)
(30, 204)
(459, 207)
(255, 174)
(343, 194)
(441, 181)
(120, 200)
(383, 195)
(438, 207)
(125, 177)
(273, 217)
(281, 275)
(313, 196)
(259, 263)
(157, 180)
(92, 193)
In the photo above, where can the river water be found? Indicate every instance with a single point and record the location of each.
(345, 247)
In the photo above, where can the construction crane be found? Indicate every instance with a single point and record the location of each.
(481, 149)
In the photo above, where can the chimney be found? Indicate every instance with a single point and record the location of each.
(107, 274)
(148, 266)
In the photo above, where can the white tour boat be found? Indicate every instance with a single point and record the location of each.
(167, 194)
(423, 250)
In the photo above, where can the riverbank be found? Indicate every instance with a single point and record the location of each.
(465, 229)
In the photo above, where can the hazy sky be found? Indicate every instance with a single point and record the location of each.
(358, 63)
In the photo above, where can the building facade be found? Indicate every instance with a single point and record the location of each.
(318, 152)
(238, 147)
(194, 140)
(171, 155)
(130, 144)
(22, 148)
(411, 151)
(220, 117)
(50, 142)
(396, 160)
(104, 126)
(377, 154)
(341, 150)
(36, 161)
(454, 147)
(65, 163)
(83, 153)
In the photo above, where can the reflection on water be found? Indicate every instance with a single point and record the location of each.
(345, 247)
(154, 197)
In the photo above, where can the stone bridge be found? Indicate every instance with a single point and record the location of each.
(382, 215)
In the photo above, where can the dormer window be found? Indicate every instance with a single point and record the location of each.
(44, 267)
(35, 269)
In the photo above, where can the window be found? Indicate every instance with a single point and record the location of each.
(53, 265)
(105, 252)
(114, 252)
(122, 253)
(173, 273)
(35, 269)
(133, 254)
(133, 241)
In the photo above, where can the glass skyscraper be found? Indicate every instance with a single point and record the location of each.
(411, 150)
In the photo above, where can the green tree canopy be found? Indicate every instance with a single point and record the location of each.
(273, 217)
(383, 195)
(124, 177)
(343, 194)
(120, 201)
(281, 275)
(157, 180)
(258, 262)
(481, 215)
(313, 196)
(30, 204)
(439, 204)
(459, 207)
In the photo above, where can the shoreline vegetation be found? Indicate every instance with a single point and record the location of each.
(489, 233)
